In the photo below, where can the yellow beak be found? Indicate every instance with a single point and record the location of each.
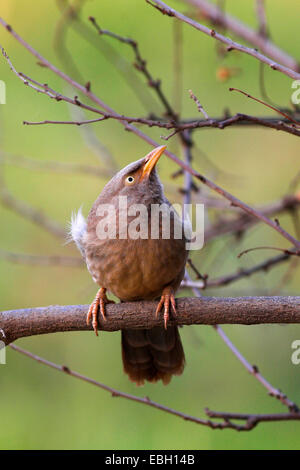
(151, 159)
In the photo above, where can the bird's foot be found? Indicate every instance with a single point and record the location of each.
(166, 299)
(99, 303)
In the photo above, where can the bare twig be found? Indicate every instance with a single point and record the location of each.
(235, 201)
(279, 111)
(285, 251)
(34, 215)
(55, 166)
(243, 222)
(93, 142)
(266, 308)
(39, 260)
(178, 127)
(206, 282)
(250, 420)
(203, 277)
(219, 18)
(140, 65)
(177, 66)
(71, 17)
(114, 392)
(68, 17)
(76, 123)
(199, 105)
(262, 20)
(253, 370)
(231, 45)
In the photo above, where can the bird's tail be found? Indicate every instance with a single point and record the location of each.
(152, 354)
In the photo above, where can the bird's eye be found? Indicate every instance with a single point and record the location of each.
(130, 179)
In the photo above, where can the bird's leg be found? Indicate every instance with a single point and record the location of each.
(167, 297)
(100, 301)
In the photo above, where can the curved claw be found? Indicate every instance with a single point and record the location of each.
(165, 300)
(98, 304)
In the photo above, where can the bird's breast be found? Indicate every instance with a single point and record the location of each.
(137, 269)
(139, 265)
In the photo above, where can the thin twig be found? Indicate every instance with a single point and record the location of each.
(206, 282)
(279, 111)
(231, 45)
(178, 127)
(253, 370)
(140, 65)
(34, 215)
(55, 166)
(71, 17)
(217, 17)
(286, 252)
(39, 260)
(262, 20)
(177, 66)
(199, 105)
(243, 222)
(235, 201)
(251, 420)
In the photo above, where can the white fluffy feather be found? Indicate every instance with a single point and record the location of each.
(77, 230)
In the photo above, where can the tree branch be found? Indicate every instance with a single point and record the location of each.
(231, 45)
(206, 282)
(141, 65)
(140, 314)
(217, 17)
(129, 127)
(36, 216)
(54, 166)
(251, 420)
(221, 123)
(42, 260)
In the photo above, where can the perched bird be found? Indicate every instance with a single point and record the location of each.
(144, 267)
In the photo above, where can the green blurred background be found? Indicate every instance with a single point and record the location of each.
(44, 409)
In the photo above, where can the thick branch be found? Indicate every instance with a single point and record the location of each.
(205, 311)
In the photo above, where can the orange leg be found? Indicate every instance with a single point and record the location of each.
(100, 301)
(167, 297)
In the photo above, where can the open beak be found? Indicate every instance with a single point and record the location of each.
(151, 159)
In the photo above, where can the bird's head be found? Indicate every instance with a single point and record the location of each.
(139, 180)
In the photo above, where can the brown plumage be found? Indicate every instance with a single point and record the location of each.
(152, 354)
(137, 269)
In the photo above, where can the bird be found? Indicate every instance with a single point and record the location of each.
(142, 267)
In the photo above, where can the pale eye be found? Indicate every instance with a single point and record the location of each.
(130, 179)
